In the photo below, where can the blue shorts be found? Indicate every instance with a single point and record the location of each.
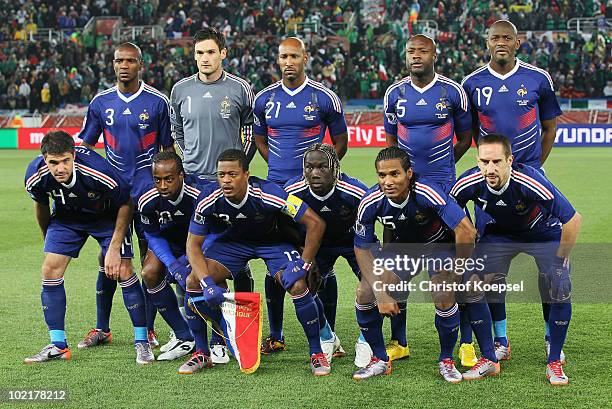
(234, 256)
(327, 257)
(500, 249)
(69, 238)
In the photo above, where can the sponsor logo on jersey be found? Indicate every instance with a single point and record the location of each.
(325, 209)
(290, 105)
(240, 216)
(225, 108)
(503, 88)
(179, 213)
(421, 102)
(500, 203)
(401, 217)
(127, 111)
(72, 195)
(207, 95)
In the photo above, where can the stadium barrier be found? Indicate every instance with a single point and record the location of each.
(360, 136)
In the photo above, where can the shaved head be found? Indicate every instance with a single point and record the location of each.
(506, 24)
(422, 37)
(130, 46)
(293, 42)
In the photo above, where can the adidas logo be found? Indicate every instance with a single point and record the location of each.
(401, 217)
(500, 203)
(241, 216)
(421, 102)
(325, 209)
(503, 89)
(290, 105)
(207, 95)
(179, 213)
(72, 195)
(127, 111)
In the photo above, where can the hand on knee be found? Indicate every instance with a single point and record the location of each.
(299, 287)
(125, 269)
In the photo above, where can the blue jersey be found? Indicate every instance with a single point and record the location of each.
(166, 222)
(292, 120)
(134, 126)
(338, 208)
(95, 191)
(513, 105)
(254, 220)
(424, 121)
(527, 203)
(426, 215)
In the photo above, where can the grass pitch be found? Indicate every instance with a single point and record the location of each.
(109, 377)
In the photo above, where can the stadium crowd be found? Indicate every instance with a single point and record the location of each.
(41, 75)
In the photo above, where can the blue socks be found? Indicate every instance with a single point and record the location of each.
(307, 314)
(498, 315)
(164, 299)
(465, 329)
(560, 317)
(370, 323)
(134, 301)
(447, 324)
(105, 290)
(398, 325)
(480, 320)
(275, 299)
(328, 293)
(196, 323)
(150, 310)
(325, 330)
(53, 299)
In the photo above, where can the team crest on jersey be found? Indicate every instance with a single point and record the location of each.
(441, 106)
(93, 195)
(521, 92)
(144, 117)
(310, 109)
(420, 218)
(520, 207)
(225, 108)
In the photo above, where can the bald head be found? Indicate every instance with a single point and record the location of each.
(292, 59)
(422, 38)
(504, 24)
(293, 42)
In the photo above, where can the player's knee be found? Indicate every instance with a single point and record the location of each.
(364, 294)
(444, 300)
(125, 269)
(192, 282)
(299, 287)
(52, 271)
(151, 275)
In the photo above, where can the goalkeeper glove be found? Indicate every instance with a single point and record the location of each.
(212, 294)
(559, 278)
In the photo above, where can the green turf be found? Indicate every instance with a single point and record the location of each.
(109, 377)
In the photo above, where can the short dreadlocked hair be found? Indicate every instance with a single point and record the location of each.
(170, 156)
(330, 153)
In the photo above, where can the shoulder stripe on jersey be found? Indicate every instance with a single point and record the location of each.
(391, 88)
(37, 177)
(145, 196)
(467, 180)
(331, 94)
(208, 200)
(142, 203)
(460, 90)
(106, 91)
(192, 189)
(540, 70)
(181, 81)
(296, 189)
(350, 187)
(269, 87)
(107, 180)
(155, 92)
(533, 184)
(350, 192)
(473, 73)
(430, 193)
(298, 184)
(245, 85)
(367, 201)
(268, 198)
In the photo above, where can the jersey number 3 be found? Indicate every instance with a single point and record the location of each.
(109, 117)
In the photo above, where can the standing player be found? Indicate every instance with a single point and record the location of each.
(516, 99)
(165, 211)
(243, 211)
(135, 122)
(334, 196)
(422, 114)
(415, 211)
(210, 111)
(89, 200)
(289, 116)
(529, 214)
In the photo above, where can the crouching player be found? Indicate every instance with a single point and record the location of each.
(166, 208)
(415, 211)
(334, 196)
(243, 211)
(89, 200)
(531, 216)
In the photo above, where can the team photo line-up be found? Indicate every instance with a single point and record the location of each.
(200, 216)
